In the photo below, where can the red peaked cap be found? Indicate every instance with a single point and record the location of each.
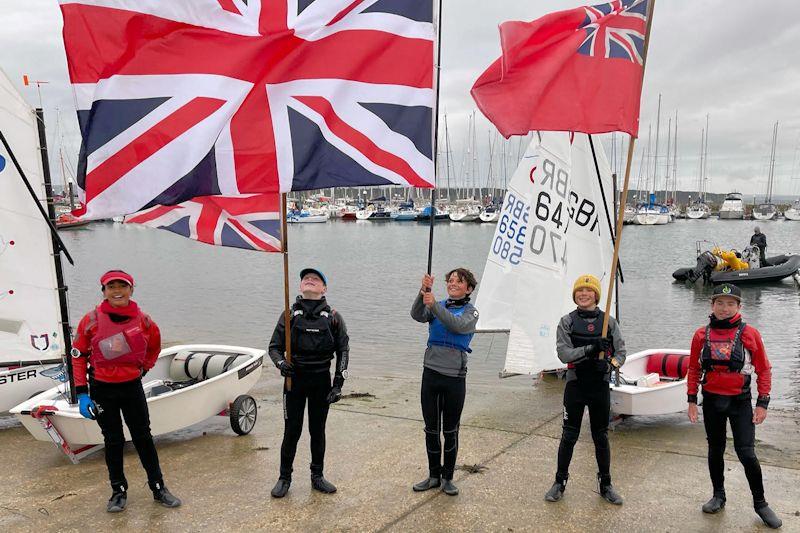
(116, 275)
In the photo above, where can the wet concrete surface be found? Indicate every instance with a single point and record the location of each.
(375, 452)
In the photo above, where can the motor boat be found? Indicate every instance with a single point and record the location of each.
(732, 207)
(765, 212)
(490, 213)
(187, 385)
(730, 266)
(69, 221)
(652, 382)
(698, 211)
(793, 213)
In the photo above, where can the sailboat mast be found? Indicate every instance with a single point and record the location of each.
(667, 188)
(655, 155)
(447, 156)
(705, 161)
(771, 177)
(675, 161)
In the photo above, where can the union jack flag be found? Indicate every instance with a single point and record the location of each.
(250, 221)
(615, 30)
(185, 98)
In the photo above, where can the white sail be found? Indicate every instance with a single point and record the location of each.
(30, 315)
(497, 286)
(566, 234)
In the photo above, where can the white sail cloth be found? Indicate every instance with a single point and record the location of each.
(552, 229)
(30, 315)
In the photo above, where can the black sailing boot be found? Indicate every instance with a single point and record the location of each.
(281, 488)
(449, 488)
(163, 496)
(427, 484)
(118, 500)
(607, 490)
(767, 515)
(556, 492)
(716, 503)
(321, 484)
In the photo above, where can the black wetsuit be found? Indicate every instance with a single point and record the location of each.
(587, 386)
(760, 240)
(317, 334)
(444, 381)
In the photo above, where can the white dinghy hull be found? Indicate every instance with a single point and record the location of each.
(170, 410)
(664, 396)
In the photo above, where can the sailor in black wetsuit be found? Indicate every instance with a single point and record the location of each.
(760, 240)
(318, 332)
(579, 344)
(451, 324)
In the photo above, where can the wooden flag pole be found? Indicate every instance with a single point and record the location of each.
(287, 322)
(435, 136)
(624, 198)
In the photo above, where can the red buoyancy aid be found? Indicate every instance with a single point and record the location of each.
(118, 343)
(720, 350)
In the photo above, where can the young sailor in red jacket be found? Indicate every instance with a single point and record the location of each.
(725, 354)
(116, 344)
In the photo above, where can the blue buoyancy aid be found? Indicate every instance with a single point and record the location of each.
(439, 335)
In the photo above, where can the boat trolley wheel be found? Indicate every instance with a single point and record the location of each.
(243, 414)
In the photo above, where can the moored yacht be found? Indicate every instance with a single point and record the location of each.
(793, 213)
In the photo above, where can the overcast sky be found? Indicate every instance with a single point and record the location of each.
(735, 60)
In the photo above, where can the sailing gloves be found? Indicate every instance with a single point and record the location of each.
(334, 395)
(87, 407)
(600, 344)
(336, 391)
(286, 368)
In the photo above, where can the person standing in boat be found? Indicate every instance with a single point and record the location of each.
(760, 240)
(579, 343)
(116, 344)
(725, 354)
(451, 325)
(317, 333)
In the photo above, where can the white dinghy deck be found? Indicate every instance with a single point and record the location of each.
(188, 384)
(652, 382)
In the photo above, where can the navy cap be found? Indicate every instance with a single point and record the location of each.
(727, 289)
(314, 271)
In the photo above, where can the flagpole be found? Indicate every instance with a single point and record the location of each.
(603, 196)
(624, 198)
(435, 135)
(287, 323)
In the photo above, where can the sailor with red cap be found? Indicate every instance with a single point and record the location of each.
(115, 345)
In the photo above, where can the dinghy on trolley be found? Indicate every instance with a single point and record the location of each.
(187, 385)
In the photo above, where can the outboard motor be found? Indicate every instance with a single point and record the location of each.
(706, 263)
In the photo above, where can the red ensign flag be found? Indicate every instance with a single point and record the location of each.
(574, 70)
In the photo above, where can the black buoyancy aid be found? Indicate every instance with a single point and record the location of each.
(725, 352)
(586, 326)
(313, 341)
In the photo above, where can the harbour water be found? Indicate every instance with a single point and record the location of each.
(200, 293)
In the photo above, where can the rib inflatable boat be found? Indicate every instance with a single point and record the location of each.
(779, 267)
(187, 385)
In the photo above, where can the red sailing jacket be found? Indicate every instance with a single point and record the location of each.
(111, 373)
(720, 380)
